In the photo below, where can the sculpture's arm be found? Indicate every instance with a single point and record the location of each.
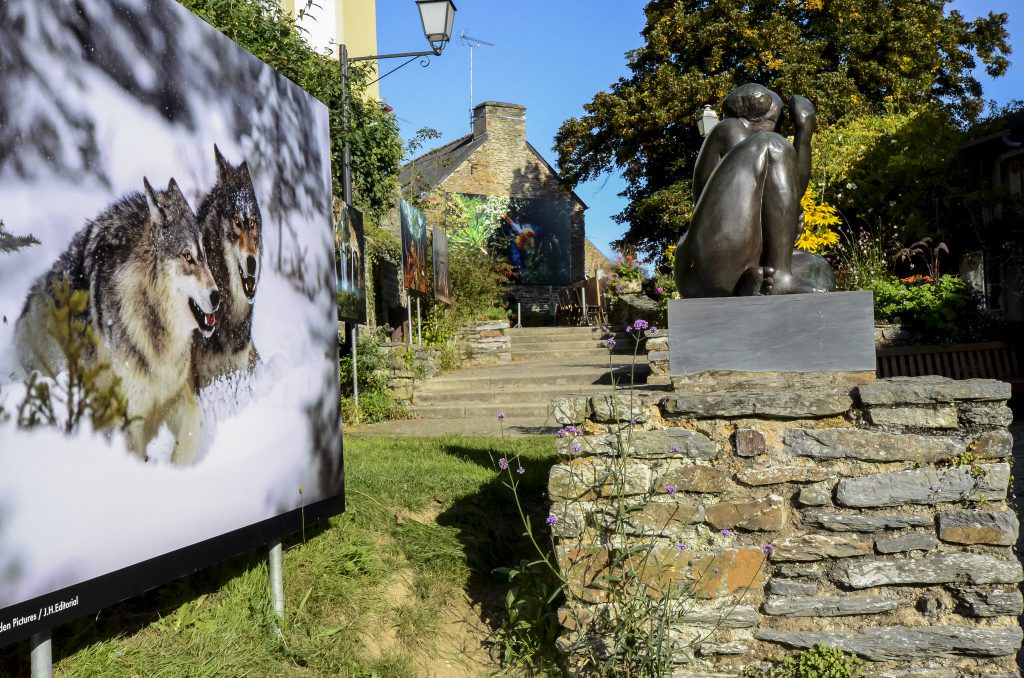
(804, 120)
(723, 137)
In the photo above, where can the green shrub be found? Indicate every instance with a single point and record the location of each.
(376, 403)
(818, 662)
(478, 285)
(943, 311)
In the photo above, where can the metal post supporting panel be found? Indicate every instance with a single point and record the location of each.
(355, 369)
(276, 582)
(419, 323)
(42, 655)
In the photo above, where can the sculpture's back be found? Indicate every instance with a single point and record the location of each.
(748, 181)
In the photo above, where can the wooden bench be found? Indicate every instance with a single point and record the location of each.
(991, 360)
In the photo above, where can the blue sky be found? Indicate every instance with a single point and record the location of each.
(552, 56)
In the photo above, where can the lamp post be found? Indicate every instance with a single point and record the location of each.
(707, 121)
(437, 18)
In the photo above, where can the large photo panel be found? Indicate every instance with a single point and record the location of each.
(168, 331)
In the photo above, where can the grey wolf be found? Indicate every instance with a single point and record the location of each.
(143, 262)
(232, 228)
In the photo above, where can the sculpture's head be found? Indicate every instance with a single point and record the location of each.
(755, 103)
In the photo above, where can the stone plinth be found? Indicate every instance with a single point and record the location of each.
(778, 512)
(788, 333)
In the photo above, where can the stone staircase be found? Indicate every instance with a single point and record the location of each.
(546, 362)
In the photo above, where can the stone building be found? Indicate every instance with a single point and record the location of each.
(497, 160)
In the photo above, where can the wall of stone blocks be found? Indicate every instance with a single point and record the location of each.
(871, 516)
(486, 343)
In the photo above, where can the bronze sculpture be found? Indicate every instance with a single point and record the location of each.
(748, 183)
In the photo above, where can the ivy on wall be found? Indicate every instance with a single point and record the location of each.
(270, 33)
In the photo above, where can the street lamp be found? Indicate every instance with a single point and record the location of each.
(437, 17)
(707, 120)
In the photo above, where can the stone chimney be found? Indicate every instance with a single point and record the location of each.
(501, 122)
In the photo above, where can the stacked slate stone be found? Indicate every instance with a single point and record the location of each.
(404, 369)
(485, 343)
(871, 517)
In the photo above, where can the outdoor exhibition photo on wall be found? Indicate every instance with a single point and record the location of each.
(414, 248)
(168, 341)
(534, 232)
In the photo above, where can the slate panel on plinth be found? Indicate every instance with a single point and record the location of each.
(832, 332)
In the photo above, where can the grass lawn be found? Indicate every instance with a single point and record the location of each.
(402, 584)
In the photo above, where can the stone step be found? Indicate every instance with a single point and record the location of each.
(483, 411)
(536, 339)
(620, 345)
(530, 375)
(554, 355)
(508, 394)
(561, 331)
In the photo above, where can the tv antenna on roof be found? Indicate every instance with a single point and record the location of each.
(471, 42)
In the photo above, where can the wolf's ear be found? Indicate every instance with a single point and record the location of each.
(156, 212)
(222, 165)
(244, 167)
(175, 192)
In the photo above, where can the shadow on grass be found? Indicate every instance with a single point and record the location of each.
(135, 614)
(490, 530)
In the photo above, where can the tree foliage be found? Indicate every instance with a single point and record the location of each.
(263, 28)
(848, 56)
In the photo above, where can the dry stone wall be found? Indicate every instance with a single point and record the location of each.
(776, 515)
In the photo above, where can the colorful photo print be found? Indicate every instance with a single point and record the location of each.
(533, 233)
(442, 286)
(414, 248)
(168, 343)
(351, 244)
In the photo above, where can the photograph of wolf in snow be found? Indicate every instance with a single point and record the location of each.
(169, 386)
(150, 290)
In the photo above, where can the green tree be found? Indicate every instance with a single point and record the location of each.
(12, 243)
(263, 28)
(847, 56)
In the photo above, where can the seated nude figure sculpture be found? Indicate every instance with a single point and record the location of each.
(748, 183)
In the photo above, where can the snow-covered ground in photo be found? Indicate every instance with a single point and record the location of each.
(73, 508)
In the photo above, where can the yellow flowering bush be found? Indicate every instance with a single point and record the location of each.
(819, 218)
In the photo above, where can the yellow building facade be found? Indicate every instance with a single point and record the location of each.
(330, 23)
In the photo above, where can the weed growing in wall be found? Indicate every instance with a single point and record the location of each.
(623, 586)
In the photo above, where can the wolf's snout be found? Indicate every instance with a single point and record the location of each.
(215, 299)
(250, 265)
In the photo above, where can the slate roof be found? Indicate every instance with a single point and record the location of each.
(432, 168)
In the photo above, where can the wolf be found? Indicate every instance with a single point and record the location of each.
(232, 228)
(144, 264)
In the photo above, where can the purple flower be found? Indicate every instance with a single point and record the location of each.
(561, 433)
(618, 288)
(520, 470)
(676, 450)
(503, 464)
(653, 330)
(611, 342)
(629, 328)
(640, 324)
(501, 415)
(681, 547)
(726, 533)
(768, 549)
(661, 291)
(552, 519)
(671, 489)
(571, 429)
(576, 447)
